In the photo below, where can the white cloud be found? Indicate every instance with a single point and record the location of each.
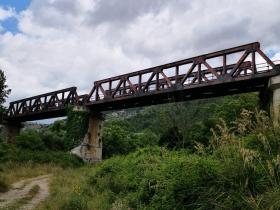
(276, 58)
(66, 43)
(6, 13)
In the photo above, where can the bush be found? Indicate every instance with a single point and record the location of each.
(57, 158)
(144, 138)
(172, 139)
(158, 179)
(14, 154)
(58, 127)
(155, 178)
(239, 169)
(75, 202)
(118, 139)
(31, 140)
(53, 141)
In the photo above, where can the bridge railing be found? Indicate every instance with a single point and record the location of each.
(45, 102)
(230, 64)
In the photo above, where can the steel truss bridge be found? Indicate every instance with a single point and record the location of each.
(235, 70)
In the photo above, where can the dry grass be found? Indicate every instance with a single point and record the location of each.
(12, 172)
(65, 185)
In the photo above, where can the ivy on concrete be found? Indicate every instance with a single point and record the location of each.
(76, 125)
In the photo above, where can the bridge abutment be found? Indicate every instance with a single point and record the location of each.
(11, 131)
(274, 98)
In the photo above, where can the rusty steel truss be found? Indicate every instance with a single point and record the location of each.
(47, 105)
(219, 73)
(239, 69)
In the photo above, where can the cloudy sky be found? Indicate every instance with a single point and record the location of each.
(51, 44)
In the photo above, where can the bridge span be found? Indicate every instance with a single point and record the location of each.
(239, 69)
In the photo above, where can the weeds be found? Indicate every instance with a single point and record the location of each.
(10, 153)
(238, 170)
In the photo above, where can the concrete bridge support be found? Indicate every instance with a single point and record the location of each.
(10, 131)
(274, 98)
(94, 138)
(90, 149)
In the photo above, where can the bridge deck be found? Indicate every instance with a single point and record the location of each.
(225, 72)
(44, 106)
(179, 93)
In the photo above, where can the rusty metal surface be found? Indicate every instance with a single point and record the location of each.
(185, 74)
(52, 104)
(224, 72)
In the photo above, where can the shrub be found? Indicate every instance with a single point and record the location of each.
(75, 202)
(53, 141)
(58, 127)
(172, 138)
(30, 139)
(14, 154)
(144, 138)
(57, 158)
(118, 139)
(239, 169)
(158, 179)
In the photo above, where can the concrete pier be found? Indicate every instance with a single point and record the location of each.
(94, 135)
(10, 131)
(274, 98)
(90, 149)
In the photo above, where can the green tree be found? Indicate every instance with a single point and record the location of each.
(31, 140)
(4, 90)
(172, 138)
(116, 139)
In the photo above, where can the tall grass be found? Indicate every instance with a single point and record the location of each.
(238, 170)
(12, 172)
(253, 141)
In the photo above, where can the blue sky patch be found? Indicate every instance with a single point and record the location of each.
(11, 24)
(270, 53)
(19, 5)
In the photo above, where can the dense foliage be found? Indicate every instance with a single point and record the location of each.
(45, 145)
(194, 155)
(30, 139)
(76, 127)
(50, 144)
(178, 125)
(239, 169)
(118, 138)
(16, 154)
(175, 125)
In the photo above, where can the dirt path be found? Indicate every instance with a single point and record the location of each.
(21, 189)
